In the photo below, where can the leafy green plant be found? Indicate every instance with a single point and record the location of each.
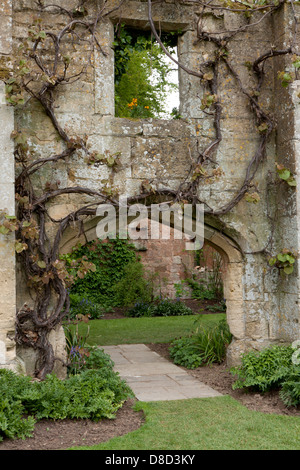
(284, 261)
(141, 309)
(159, 308)
(290, 389)
(185, 352)
(202, 289)
(206, 347)
(168, 307)
(76, 348)
(285, 174)
(133, 287)
(141, 74)
(264, 370)
(82, 306)
(109, 258)
(95, 393)
(285, 78)
(181, 289)
(220, 307)
(13, 424)
(92, 394)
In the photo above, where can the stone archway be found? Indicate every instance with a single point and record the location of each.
(234, 265)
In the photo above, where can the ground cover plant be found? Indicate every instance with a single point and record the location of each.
(207, 346)
(274, 368)
(160, 308)
(94, 392)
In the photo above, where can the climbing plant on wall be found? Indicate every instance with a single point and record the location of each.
(110, 257)
(44, 64)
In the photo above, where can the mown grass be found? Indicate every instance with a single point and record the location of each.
(220, 423)
(144, 330)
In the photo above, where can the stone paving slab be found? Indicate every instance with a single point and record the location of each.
(152, 377)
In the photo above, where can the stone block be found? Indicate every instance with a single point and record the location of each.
(5, 34)
(2, 353)
(236, 318)
(104, 73)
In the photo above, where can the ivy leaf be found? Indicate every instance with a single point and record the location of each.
(263, 127)
(291, 182)
(282, 257)
(284, 174)
(290, 259)
(272, 261)
(110, 160)
(254, 197)
(288, 269)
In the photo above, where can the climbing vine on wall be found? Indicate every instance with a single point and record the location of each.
(46, 62)
(109, 258)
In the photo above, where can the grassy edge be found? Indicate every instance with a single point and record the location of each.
(219, 423)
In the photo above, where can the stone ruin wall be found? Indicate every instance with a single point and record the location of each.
(262, 307)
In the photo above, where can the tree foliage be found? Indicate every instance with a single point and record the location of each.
(141, 75)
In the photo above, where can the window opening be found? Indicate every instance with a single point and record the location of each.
(146, 80)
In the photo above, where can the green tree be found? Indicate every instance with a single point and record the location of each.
(141, 76)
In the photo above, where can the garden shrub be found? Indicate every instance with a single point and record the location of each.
(290, 389)
(185, 352)
(141, 309)
(82, 306)
(203, 290)
(13, 425)
(94, 392)
(264, 370)
(161, 308)
(167, 307)
(206, 347)
(133, 286)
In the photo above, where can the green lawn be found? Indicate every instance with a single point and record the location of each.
(144, 330)
(219, 423)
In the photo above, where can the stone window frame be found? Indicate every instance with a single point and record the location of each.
(104, 64)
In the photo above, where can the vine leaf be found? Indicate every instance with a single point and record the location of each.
(286, 175)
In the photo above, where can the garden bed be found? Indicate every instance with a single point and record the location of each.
(197, 306)
(219, 378)
(55, 435)
(63, 434)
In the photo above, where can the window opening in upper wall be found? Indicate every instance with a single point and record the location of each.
(146, 80)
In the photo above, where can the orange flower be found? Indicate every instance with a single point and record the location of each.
(133, 103)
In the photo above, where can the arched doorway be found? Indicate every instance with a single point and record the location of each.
(233, 267)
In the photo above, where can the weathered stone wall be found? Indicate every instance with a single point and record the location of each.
(261, 307)
(166, 260)
(7, 199)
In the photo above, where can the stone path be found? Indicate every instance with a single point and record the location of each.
(152, 377)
